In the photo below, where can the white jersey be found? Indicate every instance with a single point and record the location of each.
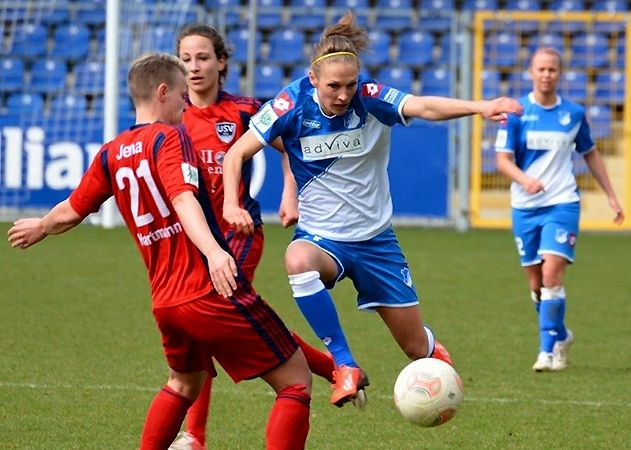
(339, 162)
(542, 140)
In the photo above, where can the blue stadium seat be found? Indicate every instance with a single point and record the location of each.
(573, 85)
(232, 83)
(125, 105)
(11, 74)
(89, 78)
(579, 167)
(415, 48)
(286, 46)
(561, 6)
(609, 87)
(228, 10)
(526, 26)
(379, 51)
(24, 104)
(589, 50)
(491, 84)
(71, 42)
(488, 156)
(519, 83)
(90, 12)
(308, 14)
(53, 13)
(436, 81)
(173, 15)
(611, 7)
(599, 117)
(393, 15)
(126, 41)
(268, 80)
(351, 4)
(157, 39)
(48, 76)
(269, 14)
(68, 104)
(239, 39)
(554, 40)
(476, 5)
(619, 52)
(501, 50)
(399, 77)
(30, 41)
(436, 5)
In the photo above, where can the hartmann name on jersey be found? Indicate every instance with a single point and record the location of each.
(331, 145)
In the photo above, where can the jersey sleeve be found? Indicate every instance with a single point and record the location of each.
(584, 142)
(271, 120)
(176, 162)
(384, 102)
(95, 186)
(507, 135)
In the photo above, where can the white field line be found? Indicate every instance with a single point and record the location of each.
(234, 390)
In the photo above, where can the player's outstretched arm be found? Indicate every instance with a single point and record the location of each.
(445, 108)
(241, 151)
(27, 232)
(597, 167)
(223, 269)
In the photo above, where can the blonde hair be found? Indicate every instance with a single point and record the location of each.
(548, 51)
(151, 70)
(343, 41)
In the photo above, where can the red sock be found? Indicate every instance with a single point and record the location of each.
(197, 415)
(288, 423)
(319, 362)
(164, 419)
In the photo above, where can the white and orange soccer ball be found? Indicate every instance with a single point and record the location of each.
(428, 392)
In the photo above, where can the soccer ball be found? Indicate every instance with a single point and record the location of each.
(428, 392)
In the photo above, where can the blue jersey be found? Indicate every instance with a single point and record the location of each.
(542, 140)
(339, 162)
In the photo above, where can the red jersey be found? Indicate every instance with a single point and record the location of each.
(213, 130)
(145, 167)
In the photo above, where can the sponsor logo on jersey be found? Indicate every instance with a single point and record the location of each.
(282, 103)
(571, 239)
(551, 140)
(529, 118)
(371, 90)
(190, 174)
(391, 96)
(501, 139)
(564, 118)
(225, 131)
(351, 119)
(331, 145)
(311, 123)
(265, 118)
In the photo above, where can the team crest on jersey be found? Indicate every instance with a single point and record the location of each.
(564, 118)
(371, 90)
(282, 103)
(351, 119)
(190, 174)
(407, 278)
(225, 131)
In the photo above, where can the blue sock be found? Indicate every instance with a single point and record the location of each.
(318, 308)
(548, 318)
(560, 324)
(557, 295)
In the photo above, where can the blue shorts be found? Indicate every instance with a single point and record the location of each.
(377, 268)
(551, 230)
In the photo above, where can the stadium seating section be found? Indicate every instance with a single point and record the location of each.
(52, 56)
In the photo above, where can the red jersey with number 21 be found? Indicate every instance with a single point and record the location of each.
(145, 167)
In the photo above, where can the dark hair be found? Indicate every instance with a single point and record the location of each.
(219, 45)
(343, 37)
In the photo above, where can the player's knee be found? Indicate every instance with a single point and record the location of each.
(186, 384)
(297, 392)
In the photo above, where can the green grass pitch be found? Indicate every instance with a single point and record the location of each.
(80, 355)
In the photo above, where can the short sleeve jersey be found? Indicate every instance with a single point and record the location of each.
(213, 130)
(144, 168)
(339, 162)
(543, 140)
